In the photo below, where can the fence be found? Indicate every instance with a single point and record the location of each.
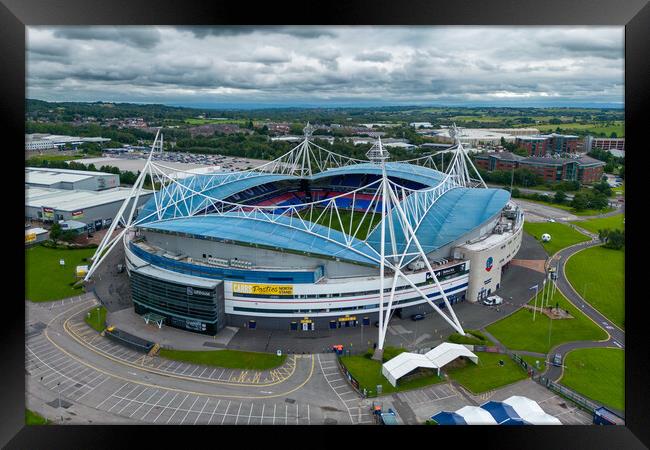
(564, 391)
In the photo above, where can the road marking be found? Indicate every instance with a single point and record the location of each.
(177, 408)
(225, 413)
(249, 414)
(618, 345)
(188, 411)
(215, 410)
(165, 408)
(199, 415)
(146, 402)
(238, 411)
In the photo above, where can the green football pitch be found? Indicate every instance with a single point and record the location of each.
(350, 222)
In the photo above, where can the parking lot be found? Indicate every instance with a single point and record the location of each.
(69, 381)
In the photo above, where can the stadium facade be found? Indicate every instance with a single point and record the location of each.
(307, 241)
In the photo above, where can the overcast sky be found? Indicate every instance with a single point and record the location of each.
(327, 65)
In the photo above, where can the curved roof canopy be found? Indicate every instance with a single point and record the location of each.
(456, 213)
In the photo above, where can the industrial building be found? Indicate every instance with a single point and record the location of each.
(69, 179)
(42, 141)
(604, 143)
(543, 144)
(95, 208)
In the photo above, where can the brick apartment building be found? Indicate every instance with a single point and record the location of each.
(584, 169)
(541, 144)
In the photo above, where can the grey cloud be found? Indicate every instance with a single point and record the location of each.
(378, 56)
(305, 32)
(139, 37)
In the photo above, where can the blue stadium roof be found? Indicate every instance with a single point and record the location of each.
(456, 213)
(223, 186)
(232, 227)
(411, 172)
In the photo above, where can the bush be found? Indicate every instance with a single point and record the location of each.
(472, 337)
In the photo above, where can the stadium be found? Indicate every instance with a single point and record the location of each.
(315, 240)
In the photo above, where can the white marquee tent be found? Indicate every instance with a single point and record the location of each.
(406, 362)
(403, 364)
(530, 411)
(473, 415)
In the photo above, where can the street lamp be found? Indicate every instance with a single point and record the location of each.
(536, 287)
(58, 385)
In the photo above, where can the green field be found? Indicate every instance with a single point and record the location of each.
(598, 373)
(231, 359)
(45, 279)
(40, 158)
(487, 374)
(593, 225)
(531, 362)
(96, 318)
(584, 212)
(598, 274)
(518, 331)
(367, 372)
(616, 127)
(33, 418)
(561, 235)
(331, 220)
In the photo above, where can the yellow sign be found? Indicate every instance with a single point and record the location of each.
(346, 319)
(262, 289)
(31, 237)
(306, 320)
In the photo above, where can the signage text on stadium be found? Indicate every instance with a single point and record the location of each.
(262, 289)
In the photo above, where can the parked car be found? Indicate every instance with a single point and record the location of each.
(492, 300)
(415, 317)
(550, 220)
(557, 360)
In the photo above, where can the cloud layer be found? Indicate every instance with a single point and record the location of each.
(321, 65)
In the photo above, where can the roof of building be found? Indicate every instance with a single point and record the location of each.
(449, 418)
(47, 176)
(73, 200)
(405, 363)
(248, 230)
(458, 212)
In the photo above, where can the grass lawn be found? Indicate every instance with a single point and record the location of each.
(40, 158)
(561, 235)
(472, 337)
(519, 332)
(598, 274)
(617, 126)
(598, 373)
(367, 372)
(584, 212)
(531, 362)
(32, 418)
(487, 374)
(611, 222)
(96, 318)
(45, 279)
(231, 359)
(371, 220)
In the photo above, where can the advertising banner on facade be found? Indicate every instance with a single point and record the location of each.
(30, 237)
(262, 289)
(78, 214)
(48, 213)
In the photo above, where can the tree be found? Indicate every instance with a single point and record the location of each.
(516, 193)
(602, 187)
(55, 231)
(580, 201)
(613, 135)
(560, 197)
(615, 240)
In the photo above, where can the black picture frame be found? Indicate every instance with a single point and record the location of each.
(16, 14)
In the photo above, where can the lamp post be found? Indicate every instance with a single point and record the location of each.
(58, 385)
(536, 287)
